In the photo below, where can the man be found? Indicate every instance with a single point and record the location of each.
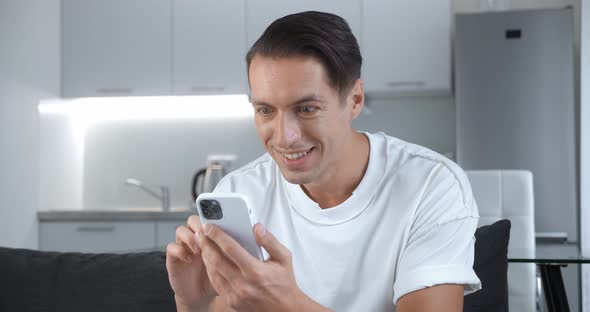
(351, 221)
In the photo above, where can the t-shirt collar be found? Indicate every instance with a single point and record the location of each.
(357, 202)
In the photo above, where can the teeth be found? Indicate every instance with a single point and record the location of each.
(294, 156)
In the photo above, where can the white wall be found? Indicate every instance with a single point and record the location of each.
(585, 149)
(60, 163)
(29, 71)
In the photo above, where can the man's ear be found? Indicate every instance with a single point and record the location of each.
(357, 97)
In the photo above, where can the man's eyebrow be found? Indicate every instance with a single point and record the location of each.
(304, 99)
(255, 102)
(309, 98)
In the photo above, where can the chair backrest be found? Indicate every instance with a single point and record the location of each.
(508, 194)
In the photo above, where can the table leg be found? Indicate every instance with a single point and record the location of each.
(554, 288)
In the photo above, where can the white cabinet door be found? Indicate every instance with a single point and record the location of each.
(116, 47)
(260, 13)
(117, 236)
(166, 233)
(406, 45)
(209, 47)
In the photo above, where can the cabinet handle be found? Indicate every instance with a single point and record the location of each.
(549, 237)
(96, 228)
(114, 90)
(397, 84)
(207, 89)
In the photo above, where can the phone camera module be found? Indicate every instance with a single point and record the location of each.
(211, 209)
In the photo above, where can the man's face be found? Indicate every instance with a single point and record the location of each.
(299, 117)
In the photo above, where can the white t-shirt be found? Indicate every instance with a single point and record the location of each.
(409, 224)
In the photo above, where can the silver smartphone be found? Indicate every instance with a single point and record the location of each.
(231, 213)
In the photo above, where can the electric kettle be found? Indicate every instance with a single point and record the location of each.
(206, 179)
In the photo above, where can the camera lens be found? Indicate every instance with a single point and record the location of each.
(207, 213)
(204, 204)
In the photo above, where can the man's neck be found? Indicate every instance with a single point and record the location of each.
(346, 175)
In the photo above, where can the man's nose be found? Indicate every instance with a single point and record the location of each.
(287, 131)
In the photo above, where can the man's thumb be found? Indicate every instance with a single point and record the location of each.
(275, 249)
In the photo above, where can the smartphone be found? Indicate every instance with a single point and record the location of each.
(231, 213)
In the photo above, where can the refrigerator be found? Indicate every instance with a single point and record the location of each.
(514, 93)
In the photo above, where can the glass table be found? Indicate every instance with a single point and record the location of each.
(550, 265)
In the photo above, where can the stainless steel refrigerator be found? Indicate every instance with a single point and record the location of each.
(514, 91)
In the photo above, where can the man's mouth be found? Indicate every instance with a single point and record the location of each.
(296, 156)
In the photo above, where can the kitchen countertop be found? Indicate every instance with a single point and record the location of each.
(114, 215)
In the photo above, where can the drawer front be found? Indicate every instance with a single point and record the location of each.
(166, 233)
(118, 237)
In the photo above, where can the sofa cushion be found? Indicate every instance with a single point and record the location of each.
(491, 266)
(50, 281)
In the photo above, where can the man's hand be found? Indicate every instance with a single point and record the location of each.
(246, 283)
(186, 272)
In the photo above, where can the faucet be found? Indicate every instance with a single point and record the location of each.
(163, 195)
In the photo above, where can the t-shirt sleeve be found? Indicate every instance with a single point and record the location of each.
(224, 185)
(440, 244)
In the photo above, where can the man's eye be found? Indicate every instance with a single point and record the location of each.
(307, 109)
(263, 110)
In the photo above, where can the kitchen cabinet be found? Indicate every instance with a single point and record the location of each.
(183, 47)
(116, 47)
(134, 47)
(92, 236)
(209, 47)
(260, 13)
(406, 45)
(166, 233)
(126, 230)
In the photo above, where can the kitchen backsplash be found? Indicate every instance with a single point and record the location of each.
(88, 171)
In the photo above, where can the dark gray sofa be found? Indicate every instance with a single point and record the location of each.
(33, 280)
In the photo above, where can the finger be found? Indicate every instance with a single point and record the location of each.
(194, 223)
(215, 260)
(186, 237)
(234, 251)
(177, 252)
(275, 249)
(219, 283)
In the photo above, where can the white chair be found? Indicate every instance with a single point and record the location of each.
(508, 194)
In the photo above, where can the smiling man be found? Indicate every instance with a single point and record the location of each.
(351, 221)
